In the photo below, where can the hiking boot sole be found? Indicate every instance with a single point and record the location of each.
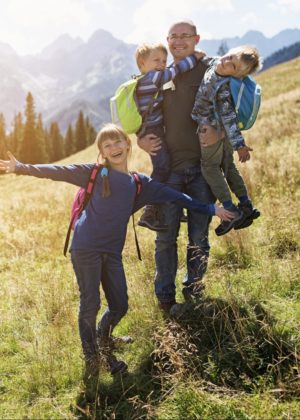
(232, 224)
(248, 220)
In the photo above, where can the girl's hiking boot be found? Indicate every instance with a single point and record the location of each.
(116, 366)
(106, 356)
(151, 219)
(250, 213)
(225, 226)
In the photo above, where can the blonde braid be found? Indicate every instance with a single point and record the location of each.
(106, 192)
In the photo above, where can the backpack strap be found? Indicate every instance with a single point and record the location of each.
(138, 185)
(88, 192)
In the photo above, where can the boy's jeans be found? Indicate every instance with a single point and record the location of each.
(161, 161)
(92, 268)
(191, 182)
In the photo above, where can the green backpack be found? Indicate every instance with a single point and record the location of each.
(123, 107)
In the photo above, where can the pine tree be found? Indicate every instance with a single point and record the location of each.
(49, 146)
(92, 135)
(223, 48)
(44, 157)
(16, 135)
(69, 141)
(3, 139)
(80, 133)
(57, 142)
(32, 148)
(90, 132)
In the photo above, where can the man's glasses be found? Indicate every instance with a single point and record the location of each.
(172, 37)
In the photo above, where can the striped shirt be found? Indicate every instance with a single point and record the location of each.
(151, 84)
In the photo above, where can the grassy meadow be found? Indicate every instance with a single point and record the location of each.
(234, 356)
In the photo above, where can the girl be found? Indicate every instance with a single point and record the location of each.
(99, 235)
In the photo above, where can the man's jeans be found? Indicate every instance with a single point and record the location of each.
(191, 182)
(92, 268)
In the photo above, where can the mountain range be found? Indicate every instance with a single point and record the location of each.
(71, 75)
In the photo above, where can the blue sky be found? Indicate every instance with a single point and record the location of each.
(29, 25)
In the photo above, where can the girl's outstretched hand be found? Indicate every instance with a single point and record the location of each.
(8, 166)
(224, 214)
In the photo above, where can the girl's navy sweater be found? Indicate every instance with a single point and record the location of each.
(102, 225)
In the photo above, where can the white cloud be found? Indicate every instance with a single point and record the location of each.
(286, 6)
(29, 24)
(153, 18)
(37, 13)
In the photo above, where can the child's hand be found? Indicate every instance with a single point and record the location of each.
(8, 166)
(244, 153)
(149, 143)
(199, 54)
(224, 214)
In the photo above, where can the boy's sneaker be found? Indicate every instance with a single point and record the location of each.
(250, 213)
(151, 219)
(225, 227)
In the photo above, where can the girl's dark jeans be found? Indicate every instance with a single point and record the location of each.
(93, 268)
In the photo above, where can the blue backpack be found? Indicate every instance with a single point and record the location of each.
(246, 95)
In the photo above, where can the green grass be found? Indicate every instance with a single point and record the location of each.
(234, 356)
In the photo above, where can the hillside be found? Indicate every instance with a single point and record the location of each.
(283, 55)
(233, 356)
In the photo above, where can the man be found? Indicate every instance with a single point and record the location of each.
(183, 145)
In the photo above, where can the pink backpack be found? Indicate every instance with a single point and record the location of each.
(80, 201)
(83, 196)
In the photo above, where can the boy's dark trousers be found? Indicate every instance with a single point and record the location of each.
(161, 161)
(152, 217)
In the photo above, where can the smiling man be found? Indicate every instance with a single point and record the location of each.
(183, 145)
